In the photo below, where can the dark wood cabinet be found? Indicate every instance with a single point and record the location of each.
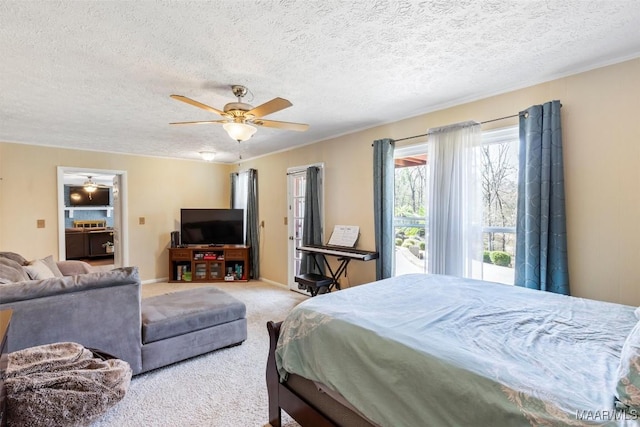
(98, 242)
(76, 244)
(209, 264)
(87, 243)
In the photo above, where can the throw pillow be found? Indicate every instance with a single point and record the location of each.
(628, 375)
(11, 271)
(37, 270)
(14, 256)
(52, 266)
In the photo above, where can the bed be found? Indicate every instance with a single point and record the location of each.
(430, 350)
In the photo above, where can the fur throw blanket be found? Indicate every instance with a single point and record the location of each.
(62, 384)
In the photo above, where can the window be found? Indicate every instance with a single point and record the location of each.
(499, 178)
(411, 175)
(499, 181)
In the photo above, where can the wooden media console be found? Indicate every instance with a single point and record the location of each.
(209, 263)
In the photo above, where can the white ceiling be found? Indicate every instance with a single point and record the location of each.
(98, 74)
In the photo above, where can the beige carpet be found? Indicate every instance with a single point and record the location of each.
(223, 388)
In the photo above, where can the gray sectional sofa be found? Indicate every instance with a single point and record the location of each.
(105, 311)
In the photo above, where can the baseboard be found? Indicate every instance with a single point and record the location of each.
(271, 282)
(162, 279)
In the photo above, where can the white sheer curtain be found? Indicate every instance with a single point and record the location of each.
(239, 193)
(239, 196)
(455, 211)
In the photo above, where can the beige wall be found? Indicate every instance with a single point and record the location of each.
(602, 171)
(157, 189)
(602, 167)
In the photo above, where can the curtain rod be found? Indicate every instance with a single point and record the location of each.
(486, 121)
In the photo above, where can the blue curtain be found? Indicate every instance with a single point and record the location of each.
(541, 233)
(312, 225)
(233, 180)
(383, 200)
(253, 236)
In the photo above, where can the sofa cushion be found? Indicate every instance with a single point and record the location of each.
(61, 285)
(11, 272)
(177, 313)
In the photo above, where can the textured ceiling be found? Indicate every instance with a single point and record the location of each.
(98, 74)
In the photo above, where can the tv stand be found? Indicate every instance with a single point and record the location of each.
(211, 263)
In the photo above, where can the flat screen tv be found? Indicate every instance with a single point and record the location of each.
(78, 196)
(212, 227)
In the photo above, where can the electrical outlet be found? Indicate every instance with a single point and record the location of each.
(141, 220)
(40, 223)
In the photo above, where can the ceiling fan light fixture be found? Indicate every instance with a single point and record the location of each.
(208, 156)
(239, 131)
(90, 186)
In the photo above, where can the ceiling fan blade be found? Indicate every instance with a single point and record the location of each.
(269, 107)
(199, 123)
(198, 104)
(300, 127)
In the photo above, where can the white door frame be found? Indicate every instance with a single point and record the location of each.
(291, 265)
(121, 211)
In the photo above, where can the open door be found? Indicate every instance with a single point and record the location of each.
(296, 184)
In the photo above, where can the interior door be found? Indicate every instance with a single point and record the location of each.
(295, 219)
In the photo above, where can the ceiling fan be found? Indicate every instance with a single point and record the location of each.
(90, 185)
(238, 117)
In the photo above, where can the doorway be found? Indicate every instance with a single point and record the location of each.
(109, 222)
(296, 186)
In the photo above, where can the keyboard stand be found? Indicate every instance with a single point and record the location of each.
(319, 284)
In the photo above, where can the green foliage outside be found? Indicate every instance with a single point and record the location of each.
(398, 241)
(486, 257)
(408, 242)
(500, 258)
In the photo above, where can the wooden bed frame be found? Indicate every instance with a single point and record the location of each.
(281, 397)
(302, 399)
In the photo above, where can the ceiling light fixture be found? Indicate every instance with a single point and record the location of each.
(239, 131)
(90, 186)
(208, 156)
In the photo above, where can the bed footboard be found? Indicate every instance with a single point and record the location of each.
(273, 382)
(282, 397)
